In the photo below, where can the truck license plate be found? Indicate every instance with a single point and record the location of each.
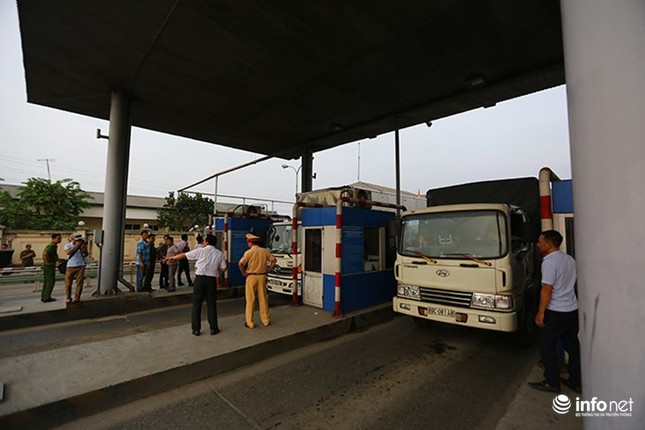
(441, 312)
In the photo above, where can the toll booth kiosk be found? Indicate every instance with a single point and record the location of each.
(235, 238)
(367, 258)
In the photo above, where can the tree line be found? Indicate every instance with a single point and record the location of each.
(45, 205)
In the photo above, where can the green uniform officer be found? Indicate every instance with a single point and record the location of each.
(50, 258)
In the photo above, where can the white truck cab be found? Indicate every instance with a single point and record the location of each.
(467, 264)
(280, 280)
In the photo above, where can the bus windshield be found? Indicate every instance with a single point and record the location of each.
(462, 234)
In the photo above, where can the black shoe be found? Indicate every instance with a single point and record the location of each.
(180, 284)
(51, 299)
(190, 284)
(196, 333)
(214, 331)
(543, 386)
(575, 388)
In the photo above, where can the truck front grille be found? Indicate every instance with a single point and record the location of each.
(453, 298)
(282, 271)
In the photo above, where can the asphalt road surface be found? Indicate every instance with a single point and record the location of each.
(392, 376)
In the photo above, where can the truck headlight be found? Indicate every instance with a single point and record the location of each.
(491, 301)
(406, 290)
(482, 301)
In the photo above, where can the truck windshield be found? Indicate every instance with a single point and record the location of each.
(280, 239)
(480, 234)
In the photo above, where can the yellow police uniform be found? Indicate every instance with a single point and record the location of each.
(256, 260)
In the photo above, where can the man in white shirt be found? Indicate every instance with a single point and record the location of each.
(557, 314)
(210, 262)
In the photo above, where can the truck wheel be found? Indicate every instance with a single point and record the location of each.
(422, 322)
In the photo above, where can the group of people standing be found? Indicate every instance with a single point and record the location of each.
(209, 264)
(148, 255)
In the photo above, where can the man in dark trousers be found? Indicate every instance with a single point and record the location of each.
(161, 254)
(50, 261)
(209, 263)
(557, 315)
(184, 267)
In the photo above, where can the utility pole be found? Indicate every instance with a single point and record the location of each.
(359, 162)
(47, 160)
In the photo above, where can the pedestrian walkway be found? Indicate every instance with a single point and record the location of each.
(533, 410)
(20, 304)
(47, 388)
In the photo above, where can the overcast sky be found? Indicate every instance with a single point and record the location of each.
(515, 138)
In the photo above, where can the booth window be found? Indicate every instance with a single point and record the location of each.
(374, 249)
(313, 250)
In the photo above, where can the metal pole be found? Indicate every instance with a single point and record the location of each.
(297, 171)
(115, 189)
(397, 162)
(358, 176)
(215, 197)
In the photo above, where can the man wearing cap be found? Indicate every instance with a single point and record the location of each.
(76, 252)
(254, 265)
(210, 262)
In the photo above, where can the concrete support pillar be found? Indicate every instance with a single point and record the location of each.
(307, 170)
(604, 44)
(116, 180)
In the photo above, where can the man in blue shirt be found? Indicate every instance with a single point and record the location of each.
(557, 314)
(143, 258)
(76, 251)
